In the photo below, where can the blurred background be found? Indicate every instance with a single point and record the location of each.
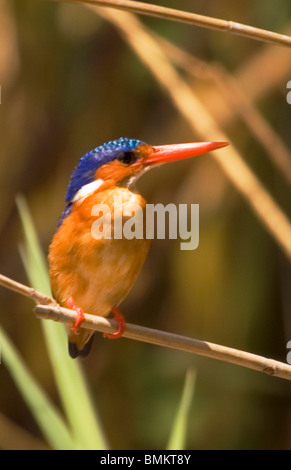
(70, 82)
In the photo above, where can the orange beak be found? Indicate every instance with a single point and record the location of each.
(170, 153)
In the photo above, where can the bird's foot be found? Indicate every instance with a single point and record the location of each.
(119, 318)
(70, 303)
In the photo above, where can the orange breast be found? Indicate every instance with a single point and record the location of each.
(97, 273)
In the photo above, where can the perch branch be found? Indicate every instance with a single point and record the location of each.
(47, 308)
(192, 19)
(170, 340)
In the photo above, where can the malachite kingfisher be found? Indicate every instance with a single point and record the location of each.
(94, 275)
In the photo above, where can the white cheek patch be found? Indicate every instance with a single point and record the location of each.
(86, 190)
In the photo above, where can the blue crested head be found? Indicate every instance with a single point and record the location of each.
(85, 171)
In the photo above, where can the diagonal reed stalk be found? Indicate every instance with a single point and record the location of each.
(180, 16)
(172, 341)
(240, 104)
(49, 311)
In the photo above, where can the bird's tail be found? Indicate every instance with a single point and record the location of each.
(80, 344)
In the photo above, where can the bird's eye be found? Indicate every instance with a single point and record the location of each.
(127, 157)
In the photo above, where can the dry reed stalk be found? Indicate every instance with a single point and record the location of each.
(180, 16)
(173, 341)
(48, 309)
(239, 102)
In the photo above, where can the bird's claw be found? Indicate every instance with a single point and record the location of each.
(119, 318)
(70, 303)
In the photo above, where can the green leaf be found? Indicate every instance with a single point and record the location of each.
(178, 432)
(46, 415)
(72, 387)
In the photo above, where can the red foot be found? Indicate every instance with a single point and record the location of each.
(119, 318)
(70, 303)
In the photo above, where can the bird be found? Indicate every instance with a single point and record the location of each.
(94, 274)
